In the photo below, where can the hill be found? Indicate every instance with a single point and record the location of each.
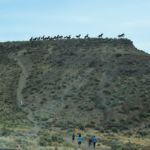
(86, 83)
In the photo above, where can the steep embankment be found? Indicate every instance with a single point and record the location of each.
(98, 83)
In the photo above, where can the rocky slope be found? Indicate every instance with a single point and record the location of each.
(97, 83)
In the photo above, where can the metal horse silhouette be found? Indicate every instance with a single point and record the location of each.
(121, 35)
(78, 36)
(67, 37)
(86, 36)
(100, 36)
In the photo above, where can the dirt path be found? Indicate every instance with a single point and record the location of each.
(84, 145)
(25, 71)
(21, 83)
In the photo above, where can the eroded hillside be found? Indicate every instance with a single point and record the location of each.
(97, 83)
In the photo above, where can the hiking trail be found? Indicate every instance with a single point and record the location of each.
(25, 71)
(84, 145)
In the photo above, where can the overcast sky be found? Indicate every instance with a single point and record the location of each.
(21, 19)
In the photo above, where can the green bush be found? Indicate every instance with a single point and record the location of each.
(130, 146)
(143, 133)
(5, 131)
(115, 145)
(46, 139)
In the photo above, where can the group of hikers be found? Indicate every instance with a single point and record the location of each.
(91, 141)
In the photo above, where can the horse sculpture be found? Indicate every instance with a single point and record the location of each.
(121, 35)
(86, 36)
(31, 39)
(49, 38)
(78, 36)
(60, 37)
(100, 36)
(67, 37)
(34, 39)
(43, 37)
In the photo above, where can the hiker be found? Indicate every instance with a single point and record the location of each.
(79, 139)
(90, 141)
(94, 140)
(73, 137)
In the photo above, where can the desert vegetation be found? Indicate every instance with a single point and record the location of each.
(85, 83)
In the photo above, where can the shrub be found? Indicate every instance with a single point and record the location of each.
(46, 139)
(142, 133)
(130, 146)
(115, 145)
(5, 131)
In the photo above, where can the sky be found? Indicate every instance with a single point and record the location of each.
(21, 19)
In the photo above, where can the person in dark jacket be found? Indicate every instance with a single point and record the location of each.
(90, 141)
(73, 137)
